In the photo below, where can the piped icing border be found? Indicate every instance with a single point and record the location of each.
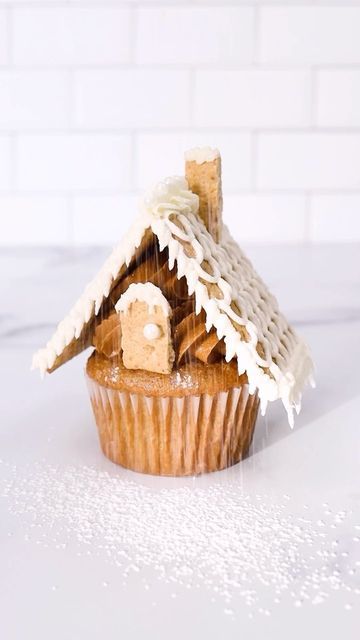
(143, 292)
(286, 357)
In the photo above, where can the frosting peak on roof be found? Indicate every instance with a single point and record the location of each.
(169, 196)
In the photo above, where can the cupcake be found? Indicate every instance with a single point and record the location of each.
(187, 340)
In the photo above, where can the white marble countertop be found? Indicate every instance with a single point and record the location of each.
(267, 549)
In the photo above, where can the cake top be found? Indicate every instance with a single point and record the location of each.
(225, 286)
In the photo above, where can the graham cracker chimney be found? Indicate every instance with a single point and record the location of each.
(203, 174)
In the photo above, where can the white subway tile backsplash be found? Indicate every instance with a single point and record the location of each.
(4, 36)
(5, 163)
(266, 218)
(76, 35)
(33, 99)
(335, 218)
(74, 162)
(195, 35)
(308, 161)
(253, 98)
(100, 98)
(103, 220)
(131, 98)
(36, 220)
(159, 155)
(309, 34)
(338, 103)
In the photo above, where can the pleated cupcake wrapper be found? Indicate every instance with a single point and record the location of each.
(174, 436)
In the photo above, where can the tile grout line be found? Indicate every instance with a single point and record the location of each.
(307, 221)
(256, 37)
(70, 219)
(134, 24)
(192, 128)
(192, 83)
(106, 192)
(13, 136)
(70, 116)
(254, 161)
(10, 34)
(314, 98)
(134, 161)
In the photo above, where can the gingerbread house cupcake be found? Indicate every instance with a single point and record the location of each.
(187, 340)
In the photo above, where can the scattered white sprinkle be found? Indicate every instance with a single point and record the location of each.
(244, 551)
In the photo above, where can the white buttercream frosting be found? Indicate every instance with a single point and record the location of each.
(286, 356)
(143, 292)
(202, 154)
(172, 195)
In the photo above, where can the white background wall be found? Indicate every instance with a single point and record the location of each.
(100, 98)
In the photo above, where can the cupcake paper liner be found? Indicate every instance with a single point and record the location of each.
(174, 436)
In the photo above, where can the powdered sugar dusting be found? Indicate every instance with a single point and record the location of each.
(247, 550)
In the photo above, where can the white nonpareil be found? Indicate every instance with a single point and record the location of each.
(285, 365)
(152, 331)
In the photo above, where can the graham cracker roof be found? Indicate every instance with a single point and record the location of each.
(235, 299)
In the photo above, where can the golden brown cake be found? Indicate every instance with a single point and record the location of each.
(196, 419)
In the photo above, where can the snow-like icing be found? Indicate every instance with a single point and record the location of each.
(202, 154)
(285, 365)
(144, 292)
(172, 195)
